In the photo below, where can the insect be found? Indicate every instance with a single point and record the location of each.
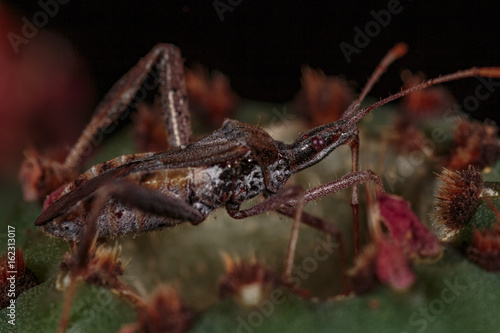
(150, 191)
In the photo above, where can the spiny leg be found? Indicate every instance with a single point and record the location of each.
(279, 203)
(287, 201)
(170, 78)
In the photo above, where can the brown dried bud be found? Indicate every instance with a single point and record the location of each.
(165, 312)
(485, 249)
(103, 267)
(15, 277)
(414, 138)
(433, 101)
(40, 175)
(323, 98)
(474, 143)
(210, 96)
(248, 282)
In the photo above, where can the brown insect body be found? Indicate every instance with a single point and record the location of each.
(231, 176)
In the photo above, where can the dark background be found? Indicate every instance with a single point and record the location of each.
(261, 46)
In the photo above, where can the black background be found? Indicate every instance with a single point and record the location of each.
(261, 45)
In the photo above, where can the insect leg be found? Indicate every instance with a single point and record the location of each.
(160, 70)
(326, 227)
(80, 262)
(150, 202)
(354, 145)
(167, 78)
(280, 203)
(284, 202)
(273, 203)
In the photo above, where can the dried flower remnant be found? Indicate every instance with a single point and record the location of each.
(406, 137)
(165, 312)
(103, 268)
(485, 248)
(323, 98)
(248, 282)
(362, 276)
(406, 229)
(210, 96)
(417, 107)
(382, 261)
(430, 102)
(388, 258)
(24, 278)
(41, 175)
(393, 266)
(457, 197)
(475, 143)
(95, 264)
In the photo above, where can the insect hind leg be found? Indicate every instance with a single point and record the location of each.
(163, 61)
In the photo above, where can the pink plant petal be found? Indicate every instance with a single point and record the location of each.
(405, 228)
(392, 265)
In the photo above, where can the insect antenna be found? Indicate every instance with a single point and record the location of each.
(493, 72)
(394, 54)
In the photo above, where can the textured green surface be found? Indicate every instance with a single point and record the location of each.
(451, 295)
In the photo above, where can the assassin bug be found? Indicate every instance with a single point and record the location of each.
(150, 191)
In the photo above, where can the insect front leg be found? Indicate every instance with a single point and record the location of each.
(286, 200)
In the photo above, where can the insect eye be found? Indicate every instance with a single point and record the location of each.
(318, 143)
